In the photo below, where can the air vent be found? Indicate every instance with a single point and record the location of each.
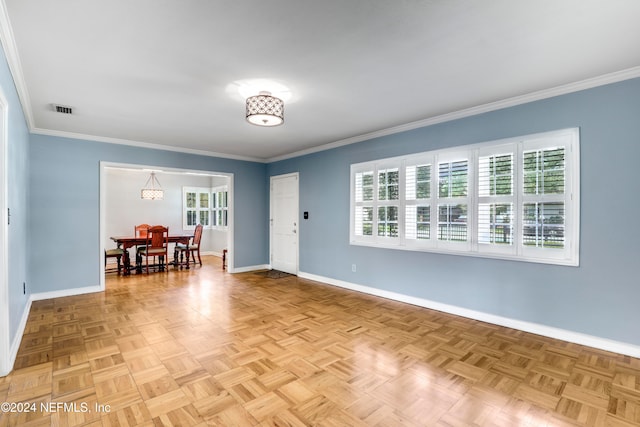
(62, 109)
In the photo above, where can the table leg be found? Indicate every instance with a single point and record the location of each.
(127, 263)
(138, 261)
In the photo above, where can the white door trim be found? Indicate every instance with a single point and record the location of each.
(5, 344)
(271, 217)
(103, 208)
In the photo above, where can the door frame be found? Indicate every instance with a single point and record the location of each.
(103, 207)
(271, 215)
(5, 341)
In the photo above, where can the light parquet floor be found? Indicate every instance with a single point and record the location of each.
(204, 347)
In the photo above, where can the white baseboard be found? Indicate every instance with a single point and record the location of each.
(17, 339)
(64, 293)
(534, 328)
(15, 344)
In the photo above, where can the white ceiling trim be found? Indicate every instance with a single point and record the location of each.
(140, 144)
(615, 77)
(15, 66)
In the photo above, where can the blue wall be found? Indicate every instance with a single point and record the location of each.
(64, 199)
(599, 298)
(18, 190)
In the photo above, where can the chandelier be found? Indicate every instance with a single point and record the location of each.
(152, 193)
(265, 110)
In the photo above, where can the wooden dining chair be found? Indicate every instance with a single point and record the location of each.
(190, 249)
(157, 245)
(117, 253)
(140, 231)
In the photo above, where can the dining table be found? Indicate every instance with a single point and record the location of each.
(126, 242)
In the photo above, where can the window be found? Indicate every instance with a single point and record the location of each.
(453, 203)
(220, 207)
(496, 199)
(513, 199)
(206, 206)
(418, 200)
(388, 199)
(363, 203)
(196, 207)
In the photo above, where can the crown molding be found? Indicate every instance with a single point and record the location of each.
(15, 66)
(109, 140)
(590, 83)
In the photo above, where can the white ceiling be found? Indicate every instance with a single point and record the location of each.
(167, 72)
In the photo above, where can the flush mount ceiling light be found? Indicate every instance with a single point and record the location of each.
(265, 110)
(153, 192)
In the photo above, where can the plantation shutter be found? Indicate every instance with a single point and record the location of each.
(418, 200)
(496, 199)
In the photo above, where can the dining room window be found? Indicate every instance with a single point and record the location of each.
(206, 206)
(219, 207)
(196, 207)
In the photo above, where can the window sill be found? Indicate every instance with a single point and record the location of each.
(569, 262)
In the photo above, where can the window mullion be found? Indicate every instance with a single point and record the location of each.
(375, 203)
(472, 200)
(433, 202)
(518, 201)
(401, 202)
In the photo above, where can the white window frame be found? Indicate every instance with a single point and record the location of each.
(444, 157)
(411, 201)
(211, 209)
(198, 209)
(492, 249)
(385, 167)
(357, 203)
(517, 250)
(216, 207)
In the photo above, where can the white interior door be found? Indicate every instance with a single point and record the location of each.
(284, 223)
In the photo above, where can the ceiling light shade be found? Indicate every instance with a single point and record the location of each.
(152, 192)
(265, 110)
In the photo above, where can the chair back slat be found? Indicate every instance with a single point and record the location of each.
(190, 249)
(141, 230)
(197, 235)
(157, 245)
(158, 237)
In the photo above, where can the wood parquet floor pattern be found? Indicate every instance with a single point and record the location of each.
(205, 347)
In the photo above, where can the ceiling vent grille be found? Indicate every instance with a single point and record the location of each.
(62, 109)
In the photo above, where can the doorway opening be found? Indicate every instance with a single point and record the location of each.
(121, 206)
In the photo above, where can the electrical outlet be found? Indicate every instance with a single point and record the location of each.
(353, 268)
